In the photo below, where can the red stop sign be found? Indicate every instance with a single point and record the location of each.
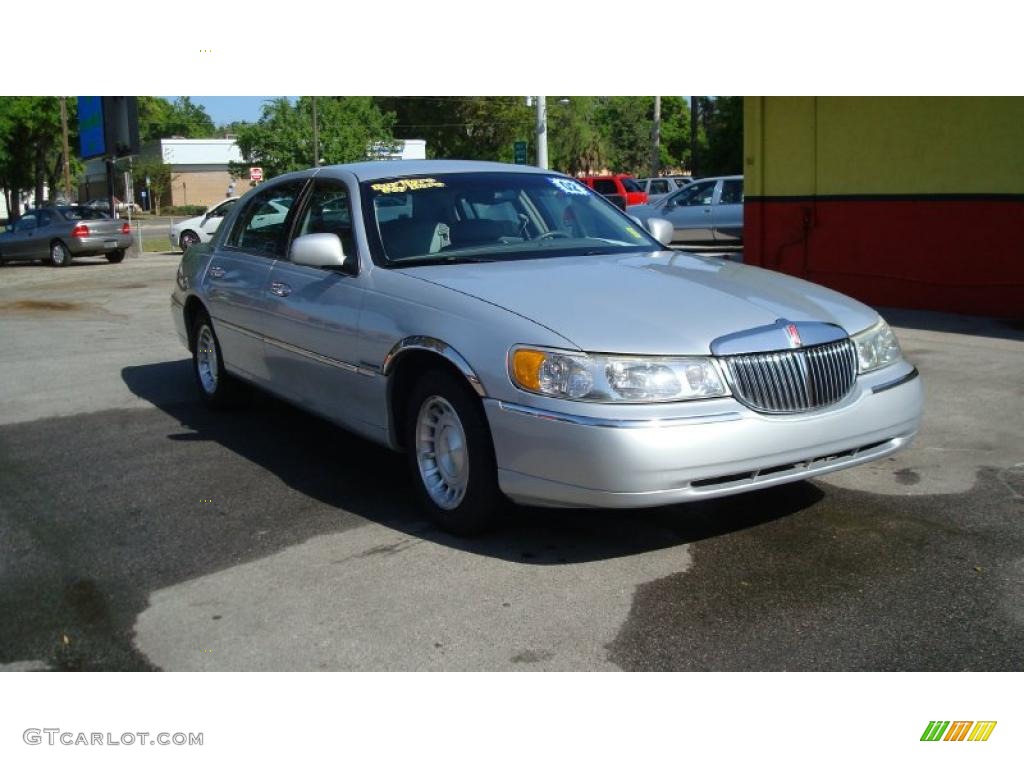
(255, 174)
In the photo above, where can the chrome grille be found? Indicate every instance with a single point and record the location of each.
(793, 380)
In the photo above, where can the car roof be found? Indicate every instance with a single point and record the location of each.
(387, 169)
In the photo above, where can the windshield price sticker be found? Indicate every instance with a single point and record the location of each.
(405, 185)
(634, 233)
(569, 186)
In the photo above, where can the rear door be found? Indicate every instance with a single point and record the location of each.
(728, 212)
(237, 279)
(690, 211)
(312, 331)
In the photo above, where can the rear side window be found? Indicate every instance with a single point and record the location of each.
(605, 186)
(261, 228)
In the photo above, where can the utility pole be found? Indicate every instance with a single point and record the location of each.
(67, 162)
(656, 137)
(542, 132)
(316, 138)
(694, 110)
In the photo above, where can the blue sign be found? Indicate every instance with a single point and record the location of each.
(90, 127)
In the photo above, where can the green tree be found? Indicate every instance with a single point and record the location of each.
(159, 175)
(188, 120)
(722, 121)
(282, 139)
(32, 149)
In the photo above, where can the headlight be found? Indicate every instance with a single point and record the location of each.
(614, 378)
(876, 347)
(181, 279)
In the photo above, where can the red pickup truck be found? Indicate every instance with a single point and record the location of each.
(620, 189)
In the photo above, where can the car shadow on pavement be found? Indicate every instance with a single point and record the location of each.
(948, 322)
(331, 466)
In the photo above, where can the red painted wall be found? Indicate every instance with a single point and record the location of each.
(958, 254)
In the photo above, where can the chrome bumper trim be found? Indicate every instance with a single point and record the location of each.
(593, 421)
(889, 385)
(302, 352)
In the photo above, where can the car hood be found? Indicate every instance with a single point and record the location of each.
(667, 302)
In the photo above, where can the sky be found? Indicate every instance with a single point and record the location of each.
(228, 109)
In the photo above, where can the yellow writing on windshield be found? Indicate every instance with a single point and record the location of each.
(405, 185)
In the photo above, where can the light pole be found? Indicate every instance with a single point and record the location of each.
(542, 132)
(316, 138)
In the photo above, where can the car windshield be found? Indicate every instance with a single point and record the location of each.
(630, 185)
(79, 212)
(451, 218)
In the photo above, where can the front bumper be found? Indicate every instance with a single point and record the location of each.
(556, 459)
(94, 244)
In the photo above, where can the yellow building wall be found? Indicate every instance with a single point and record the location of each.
(883, 145)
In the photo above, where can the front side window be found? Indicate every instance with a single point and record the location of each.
(329, 211)
(26, 223)
(261, 228)
(493, 217)
(732, 192)
(701, 193)
(659, 187)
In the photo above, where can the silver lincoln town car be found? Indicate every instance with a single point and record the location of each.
(517, 335)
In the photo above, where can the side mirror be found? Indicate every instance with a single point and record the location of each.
(322, 249)
(662, 230)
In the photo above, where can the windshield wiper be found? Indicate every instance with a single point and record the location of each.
(449, 259)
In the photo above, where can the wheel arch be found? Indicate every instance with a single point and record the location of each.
(193, 306)
(406, 362)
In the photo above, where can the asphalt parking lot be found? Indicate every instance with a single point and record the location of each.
(139, 531)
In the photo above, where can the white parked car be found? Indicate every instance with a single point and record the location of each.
(199, 229)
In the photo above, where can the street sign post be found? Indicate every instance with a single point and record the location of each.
(519, 149)
(255, 174)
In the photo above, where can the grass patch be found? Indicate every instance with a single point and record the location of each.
(155, 244)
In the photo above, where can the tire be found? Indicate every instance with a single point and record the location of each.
(116, 257)
(187, 240)
(216, 387)
(60, 256)
(451, 455)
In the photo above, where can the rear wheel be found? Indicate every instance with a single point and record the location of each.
(187, 240)
(451, 455)
(216, 387)
(60, 256)
(116, 257)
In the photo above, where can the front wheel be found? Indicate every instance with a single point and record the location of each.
(451, 455)
(116, 257)
(60, 256)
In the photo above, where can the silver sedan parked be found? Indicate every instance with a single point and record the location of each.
(705, 212)
(58, 233)
(518, 336)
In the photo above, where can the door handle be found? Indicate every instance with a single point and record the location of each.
(280, 289)
(216, 272)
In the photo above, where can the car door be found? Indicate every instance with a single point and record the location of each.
(20, 245)
(236, 280)
(212, 220)
(690, 211)
(728, 212)
(312, 332)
